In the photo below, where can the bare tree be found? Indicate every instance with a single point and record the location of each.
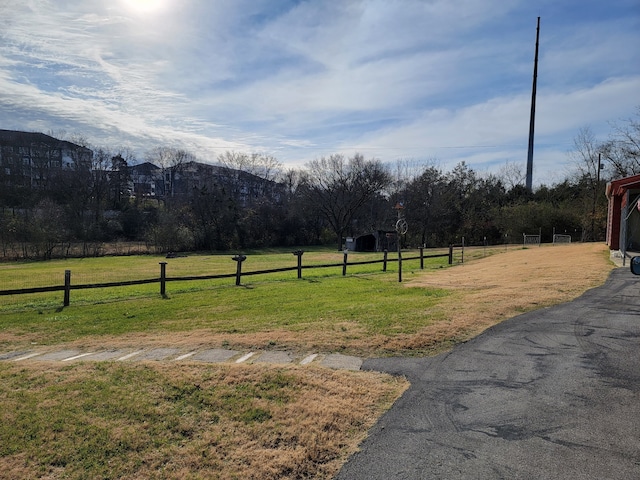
(251, 176)
(425, 205)
(404, 172)
(291, 180)
(266, 167)
(586, 156)
(340, 187)
(170, 160)
(622, 150)
(512, 175)
(119, 180)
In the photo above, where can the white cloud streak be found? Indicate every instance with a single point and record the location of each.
(390, 78)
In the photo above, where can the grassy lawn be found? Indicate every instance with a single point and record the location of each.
(17, 275)
(151, 420)
(354, 313)
(194, 420)
(128, 421)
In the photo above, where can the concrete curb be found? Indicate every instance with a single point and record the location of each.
(184, 355)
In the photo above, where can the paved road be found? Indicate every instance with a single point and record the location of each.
(551, 394)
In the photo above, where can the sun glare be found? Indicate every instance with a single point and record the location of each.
(145, 6)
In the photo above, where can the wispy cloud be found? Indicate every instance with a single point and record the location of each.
(390, 78)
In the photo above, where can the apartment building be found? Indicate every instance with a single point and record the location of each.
(30, 159)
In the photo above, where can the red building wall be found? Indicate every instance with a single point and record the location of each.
(613, 222)
(616, 193)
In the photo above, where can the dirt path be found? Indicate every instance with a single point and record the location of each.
(503, 285)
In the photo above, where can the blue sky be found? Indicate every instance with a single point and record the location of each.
(425, 81)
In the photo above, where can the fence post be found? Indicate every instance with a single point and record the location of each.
(67, 287)
(384, 262)
(421, 258)
(163, 279)
(298, 253)
(239, 259)
(344, 262)
(451, 254)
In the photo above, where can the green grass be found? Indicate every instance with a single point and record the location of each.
(363, 304)
(323, 299)
(181, 420)
(113, 269)
(375, 302)
(168, 420)
(108, 420)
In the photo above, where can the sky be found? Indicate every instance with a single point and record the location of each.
(425, 82)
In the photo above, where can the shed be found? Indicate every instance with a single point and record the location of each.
(623, 216)
(373, 242)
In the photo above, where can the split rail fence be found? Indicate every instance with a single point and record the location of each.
(239, 259)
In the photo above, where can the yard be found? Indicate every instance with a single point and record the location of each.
(156, 420)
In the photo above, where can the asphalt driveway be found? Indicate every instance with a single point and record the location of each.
(551, 394)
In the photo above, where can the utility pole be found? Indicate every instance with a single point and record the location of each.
(532, 117)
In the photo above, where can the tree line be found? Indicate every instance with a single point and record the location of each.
(252, 201)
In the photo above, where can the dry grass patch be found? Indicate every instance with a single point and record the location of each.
(127, 421)
(493, 289)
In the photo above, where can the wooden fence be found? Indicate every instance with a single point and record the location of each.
(239, 259)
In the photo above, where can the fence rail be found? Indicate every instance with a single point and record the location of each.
(239, 259)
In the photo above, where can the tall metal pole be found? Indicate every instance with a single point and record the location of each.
(532, 118)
